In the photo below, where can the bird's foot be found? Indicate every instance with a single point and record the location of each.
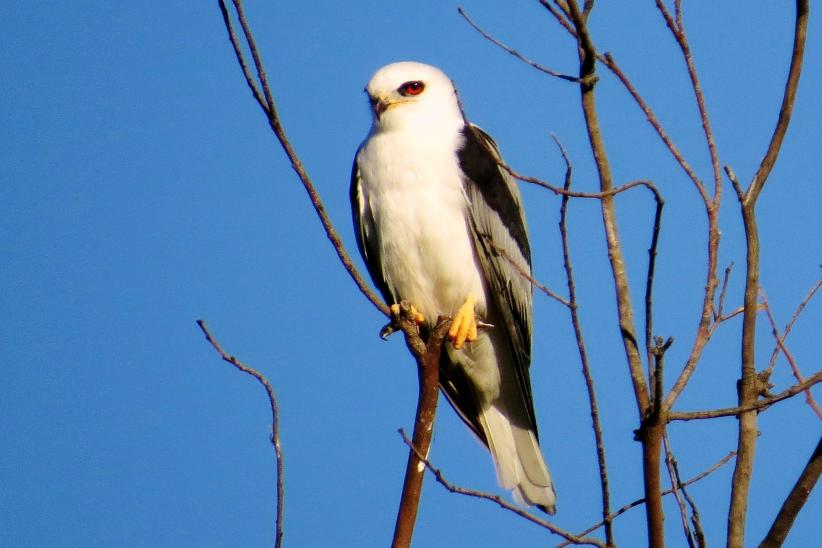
(464, 324)
(401, 310)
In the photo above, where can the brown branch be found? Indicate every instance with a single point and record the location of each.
(269, 108)
(438, 475)
(792, 321)
(788, 99)
(679, 493)
(561, 17)
(609, 61)
(525, 274)
(722, 293)
(583, 353)
(749, 386)
(724, 460)
(651, 441)
(795, 500)
(758, 405)
(514, 52)
(780, 342)
(275, 424)
(428, 372)
(678, 30)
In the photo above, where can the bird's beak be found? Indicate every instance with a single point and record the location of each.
(379, 105)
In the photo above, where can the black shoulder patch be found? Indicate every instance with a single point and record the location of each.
(480, 167)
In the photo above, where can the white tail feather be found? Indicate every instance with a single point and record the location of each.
(518, 459)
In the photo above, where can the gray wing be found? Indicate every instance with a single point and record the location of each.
(365, 230)
(498, 223)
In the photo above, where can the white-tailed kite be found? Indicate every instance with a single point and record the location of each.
(439, 224)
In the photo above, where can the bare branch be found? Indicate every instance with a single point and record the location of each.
(758, 405)
(561, 17)
(670, 464)
(573, 539)
(536, 283)
(514, 52)
(749, 386)
(795, 500)
(678, 31)
(609, 61)
(275, 424)
(788, 99)
(428, 372)
(780, 342)
(583, 353)
(724, 460)
(268, 106)
(792, 321)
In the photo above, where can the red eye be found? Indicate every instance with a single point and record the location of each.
(411, 88)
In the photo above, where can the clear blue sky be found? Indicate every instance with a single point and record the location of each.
(141, 189)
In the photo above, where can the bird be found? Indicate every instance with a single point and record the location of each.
(441, 227)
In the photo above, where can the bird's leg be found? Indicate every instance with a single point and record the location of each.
(464, 324)
(402, 309)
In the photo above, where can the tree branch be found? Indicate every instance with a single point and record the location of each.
(275, 424)
(428, 372)
(269, 108)
(724, 460)
(583, 353)
(758, 405)
(438, 475)
(795, 500)
(749, 386)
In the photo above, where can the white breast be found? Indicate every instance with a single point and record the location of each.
(415, 193)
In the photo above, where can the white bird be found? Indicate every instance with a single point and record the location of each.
(439, 224)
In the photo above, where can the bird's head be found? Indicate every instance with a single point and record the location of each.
(409, 94)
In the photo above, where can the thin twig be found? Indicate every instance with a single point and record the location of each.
(561, 17)
(758, 405)
(583, 353)
(514, 52)
(780, 342)
(680, 502)
(724, 460)
(525, 274)
(574, 539)
(722, 293)
(792, 321)
(296, 164)
(275, 423)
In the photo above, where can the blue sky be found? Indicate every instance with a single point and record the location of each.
(141, 189)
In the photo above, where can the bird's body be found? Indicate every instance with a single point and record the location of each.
(439, 225)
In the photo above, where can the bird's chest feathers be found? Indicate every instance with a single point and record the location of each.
(415, 192)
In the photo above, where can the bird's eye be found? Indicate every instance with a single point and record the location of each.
(411, 88)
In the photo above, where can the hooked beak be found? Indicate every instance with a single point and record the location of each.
(380, 104)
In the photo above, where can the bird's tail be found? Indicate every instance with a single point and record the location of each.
(518, 459)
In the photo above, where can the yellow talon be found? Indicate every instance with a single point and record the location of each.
(417, 316)
(464, 324)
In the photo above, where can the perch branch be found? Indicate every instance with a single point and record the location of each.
(428, 372)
